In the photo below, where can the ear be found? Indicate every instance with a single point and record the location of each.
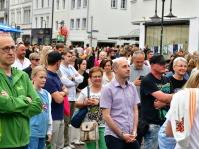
(32, 77)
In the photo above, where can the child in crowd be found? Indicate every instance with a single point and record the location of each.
(41, 124)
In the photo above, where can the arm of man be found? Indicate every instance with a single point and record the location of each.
(78, 78)
(166, 98)
(58, 97)
(135, 120)
(112, 125)
(66, 80)
(27, 103)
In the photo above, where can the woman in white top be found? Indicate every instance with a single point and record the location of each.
(94, 111)
(108, 74)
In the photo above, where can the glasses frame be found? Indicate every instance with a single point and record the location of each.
(6, 49)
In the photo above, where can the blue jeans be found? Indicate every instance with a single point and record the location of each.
(151, 137)
(115, 143)
(24, 147)
(37, 143)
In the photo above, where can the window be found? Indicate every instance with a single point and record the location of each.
(12, 16)
(113, 3)
(1, 4)
(42, 22)
(85, 3)
(56, 25)
(57, 4)
(72, 4)
(47, 22)
(123, 4)
(48, 2)
(72, 23)
(27, 16)
(42, 3)
(78, 3)
(35, 22)
(18, 16)
(77, 23)
(36, 5)
(84, 23)
(64, 4)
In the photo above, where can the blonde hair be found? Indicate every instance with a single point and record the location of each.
(45, 51)
(193, 81)
(33, 56)
(37, 69)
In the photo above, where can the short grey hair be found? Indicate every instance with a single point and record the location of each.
(138, 52)
(103, 52)
(176, 60)
(114, 65)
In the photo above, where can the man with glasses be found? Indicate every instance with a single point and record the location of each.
(156, 92)
(35, 61)
(18, 99)
(21, 62)
(70, 78)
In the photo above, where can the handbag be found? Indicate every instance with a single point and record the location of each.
(66, 106)
(89, 132)
(79, 115)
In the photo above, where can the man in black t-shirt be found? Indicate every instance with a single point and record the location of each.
(156, 94)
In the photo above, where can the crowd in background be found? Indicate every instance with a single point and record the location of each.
(60, 74)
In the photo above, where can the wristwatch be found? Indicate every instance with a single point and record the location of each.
(120, 135)
(73, 79)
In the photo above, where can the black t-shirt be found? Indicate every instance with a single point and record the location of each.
(177, 84)
(150, 84)
(28, 70)
(85, 81)
(28, 52)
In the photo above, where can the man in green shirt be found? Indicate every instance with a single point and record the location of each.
(18, 99)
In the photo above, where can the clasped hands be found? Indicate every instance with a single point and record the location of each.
(91, 102)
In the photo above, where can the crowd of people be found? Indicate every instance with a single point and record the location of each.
(137, 98)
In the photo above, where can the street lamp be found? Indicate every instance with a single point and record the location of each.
(155, 18)
(15, 38)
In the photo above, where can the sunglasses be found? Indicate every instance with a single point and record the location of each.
(36, 59)
(7, 49)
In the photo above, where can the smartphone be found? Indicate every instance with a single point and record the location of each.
(140, 78)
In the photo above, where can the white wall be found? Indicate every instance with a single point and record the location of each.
(109, 22)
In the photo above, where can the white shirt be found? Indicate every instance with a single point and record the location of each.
(105, 79)
(17, 64)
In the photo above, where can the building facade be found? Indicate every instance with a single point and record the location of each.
(4, 11)
(20, 17)
(182, 30)
(99, 22)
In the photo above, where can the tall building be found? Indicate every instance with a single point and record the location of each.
(20, 17)
(100, 22)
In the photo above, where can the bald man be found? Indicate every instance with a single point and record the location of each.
(119, 101)
(21, 62)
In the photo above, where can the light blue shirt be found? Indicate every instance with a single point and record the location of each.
(71, 85)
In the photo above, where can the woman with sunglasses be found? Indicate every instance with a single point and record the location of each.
(35, 61)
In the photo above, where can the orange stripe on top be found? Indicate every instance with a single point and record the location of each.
(192, 105)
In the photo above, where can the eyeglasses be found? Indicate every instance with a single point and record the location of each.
(181, 66)
(36, 59)
(95, 77)
(7, 49)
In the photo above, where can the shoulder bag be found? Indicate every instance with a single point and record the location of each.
(79, 115)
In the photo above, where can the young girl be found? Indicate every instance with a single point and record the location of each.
(41, 124)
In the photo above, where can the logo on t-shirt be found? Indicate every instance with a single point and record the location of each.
(165, 88)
